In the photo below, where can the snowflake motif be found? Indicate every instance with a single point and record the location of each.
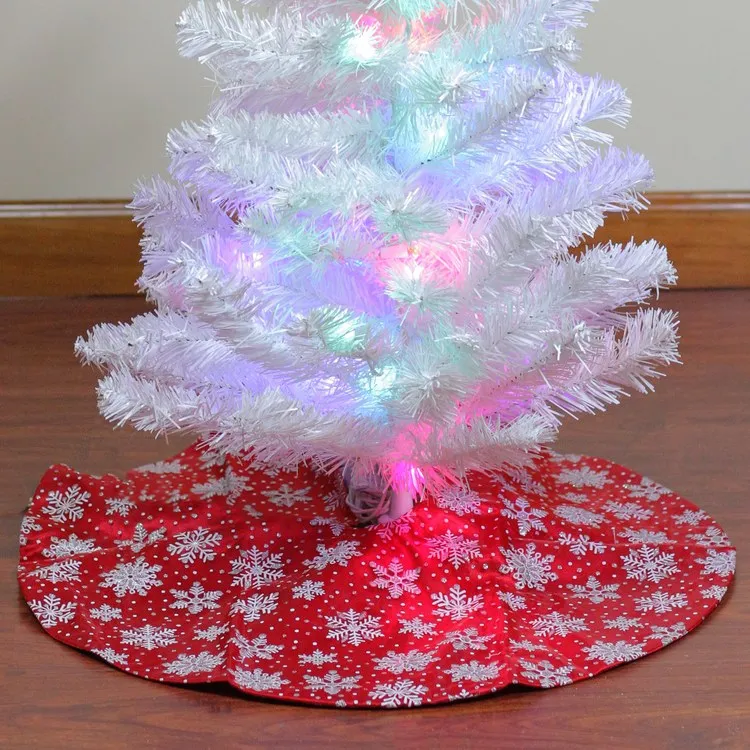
(192, 545)
(62, 571)
(255, 568)
(399, 693)
(460, 501)
(661, 602)
(584, 477)
(66, 507)
(469, 639)
(334, 500)
(711, 537)
(332, 684)
(161, 467)
(414, 661)
(581, 544)
(394, 578)
(647, 489)
(142, 538)
(338, 555)
(530, 568)
(453, 548)
(73, 545)
(461, 696)
(254, 607)
(318, 658)
(287, 497)
(51, 610)
(131, 578)
(578, 516)
(456, 604)
(474, 671)
(353, 627)
(644, 536)
(229, 486)
(308, 590)
(252, 511)
(576, 498)
(545, 674)
(119, 506)
(594, 591)
(196, 599)
(558, 624)
(718, 563)
(175, 498)
(111, 656)
(187, 664)
(515, 601)
(211, 633)
(714, 592)
(614, 653)
(148, 637)
(649, 564)
(669, 634)
(525, 482)
(258, 680)
(524, 515)
(337, 527)
(28, 524)
(397, 527)
(527, 646)
(210, 458)
(105, 613)
(690, 518)
(417, 627)
(258, 648)
(628, 511)
(623, 623)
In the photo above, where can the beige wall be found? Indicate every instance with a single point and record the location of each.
(89, 89)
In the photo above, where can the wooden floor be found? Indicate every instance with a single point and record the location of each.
(692, 435)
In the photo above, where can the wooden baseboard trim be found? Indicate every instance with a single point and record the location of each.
(85, 248)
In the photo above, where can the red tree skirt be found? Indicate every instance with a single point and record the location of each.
(199, 570)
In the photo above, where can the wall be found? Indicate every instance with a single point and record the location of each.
(90, 88)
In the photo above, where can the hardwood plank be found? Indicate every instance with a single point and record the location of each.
(691, 435)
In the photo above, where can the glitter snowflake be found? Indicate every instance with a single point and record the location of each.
(66, 506)
(395, 579)
(211, 633)
(73, 545)
(645, 536)
(614, 653)
(456, 604)
(199, 544)
(353, 627)
(515, 601)
(714, 592)
(649, 564)
(718, 563)
(578, 516)
(51, 610)
(468, 639)
(711, 537)
(400, 526)
(258, 680)
(229, 486)
(142, 538)
(332, 683)
(308, 590)
(453, 548)
(28, 524)
(474, 671)
(105, 613)
(161, 467)
(584, 477)
(337, 527)
(196, 599)
(287, 497)
(581, 544)
(255, 568)
(544, 674)
(399, 693)
(558, 624)
(62, 571)
(529, 568)
(317, 658)
(111, 656)
(149, 637)
(623, 623)
(691, 517)
(340, 554)
(417, 627)
(413, 661)
(460, 501)
(131, 578)
(258, 648)
(594, 591)
(255, 606)
(668, 634)
(647, 489)
(119, 506)
(187, 664)
(661, 602)
(524, 515)
(628, 511)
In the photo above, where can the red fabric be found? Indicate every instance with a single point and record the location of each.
(202, 570)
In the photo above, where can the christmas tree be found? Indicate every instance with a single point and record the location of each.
(362, 259)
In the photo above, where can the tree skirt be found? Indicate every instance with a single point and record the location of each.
(199, 569)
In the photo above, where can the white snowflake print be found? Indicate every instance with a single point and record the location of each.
(649, 564)
(399, 693)
(332, 684)
(187, 664)
(287, 497)
(258, 648)
(338, 555)
(111, 656)
(691, 517)
(558, 624)
(515, 601)
(584, 477)
(334, 500)
(628, 511)
(255, 568)
(252, 511)
(258, 680)
(395, 579)
(142, 538)
(337, 527)
(210, 458)
(528, 646)
(668, 634)
(460, 501)
(397, 527)
(318, 658)
(196, 599)
(149, 637)
(456, 604)
(524, 515)
(661, 602)
(453, 548)
(462, 695)
(254, 607)
(718, 563)
(119, 506)
(529, 568)
(474, 671)
(469, 639)
(161, 467)
(576, 498)
(614, 653)
(545, 674)
(62, 571)
(581, 544)
(51, 610)
(645, 536)
(711, 537)
(353, 627)
(578, 516)
(67, 506)
(131, 578)
(73, 545)
(414, 661)
(714, 592)
(308, 590)
(229, 486)
(105, 613)
(190, 546)
(647, 489)
(623, 623)
(594, 591)
(28, 524)
(211, 633)
(417, 627)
